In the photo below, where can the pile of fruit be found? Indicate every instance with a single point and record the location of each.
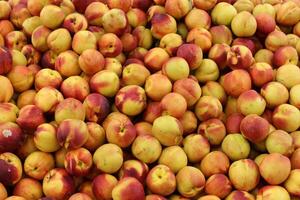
(149, 99)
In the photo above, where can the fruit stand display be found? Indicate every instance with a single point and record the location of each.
(149, 99)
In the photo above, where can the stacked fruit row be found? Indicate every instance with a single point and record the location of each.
(149, 99)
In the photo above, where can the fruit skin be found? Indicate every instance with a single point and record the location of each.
(157, 86)
(173, 109)
(21, 78)
(279, 141)
(288, 13)
(135, 169)
(75, 22)
(208, 107)
(6, 60)
(47, 99)
(80, 196)
(272, 192)
(218, 185)
(72, 133)
(177, 8)
(108, 164)
(115, 21)
(135, 74)
(230, 143)
(161, 180)
(190, 181)
(168, 130)
(123, 189)
(223, 13)
(3, 191)
(30, 117)
(236, 194)
(293, 79)
(209, 197)
(215, 162)
(91, 61)
(174, 157)
(267, 171)
(96, 107)
(83, 40)
(261, 73)
(162, 24)
(191, 144)
(69, 108)
(98, 184)
(285, 117)
(11, 138)
(155, 58)
(28, 188)
(244, 174)
(45, 138)
(7, 93)
(192, 54)
(50, 12)
(275, 40)
(64, 189)
(254, 128)
(213, 130)
(291, 183)
(47, 77)
(75, 87)
(239, 57)
(94, 13)
(11, 167)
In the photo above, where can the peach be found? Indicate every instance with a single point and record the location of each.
(50, 12)
(286, 117)
(78, 162)
(174, 157)
(125, 187)
(176, 68)
(36, 169)
(281, 142)
(293, 96)
(18, 58)
(155, 58)
(215, 162)
(270, 89)
(60, 157)
(265, 23)
(168, 130)
(265, 7)
(5, 10)
(237, 82)
(94, 13)
(288, 13)
(3, 193)
(75, 87)
(291, 184)
(86, 188)
(239, 57)
(296, 29)
(244, 5)
(190, 181)
(96, 107)
(276, 39)
(135, 169)
(83, 40)
(11, 137)
(75, 22)
(131, 100)
(218, 185)
(97, 31)
(115, 21)
(8, 112)
(58, 184)
(261, 73)
(218, 53)
(196, 147)
(171, 108)
(47, 99)
(45, 138)
(208, 107)
(177, 8)
(15, 40)
(233, 141)
(292, 79)
(96, 136)
(157, 86)
(48, 59)
(233, 122)
(272, 192)
(112, 64)
(59, 40)
(11, 167)
(5, 27)
(143, 128)
(154, 197)
(221, 34)
(296, 139)
(19, 14)
(29, 189)
(152, 111)
(292, 39)
(223, 13)
(231, 105)
(135, 74)
(285, 55)
(35, 6)
(239, 20)
(207, 71)
(192, 54)
(275, 161)
(254, 128)
(2, 42)
(197, 18)
(209, 197)
(31, 23)
(47, 78)
(162, 24)
(67, 64)
(15, 198)
(39, 38)
(105, 82)
(250, 102)
(146, 148)
(72, 133)
(204, 4)
(237, 194)
(111, 163)
(98, 184)
(119, 129)
(189, 89)
(161, 180)
(141, 4)
(264, 56)
(110, 45)
(295, 161)
(244, 174)
(170, 42)
(30, 117)
(31, 55)
(123, 5)
(247, 42)
(212, 88)
(213, 130)
(21, 78)
(143, 37)
(27, 147)
(136, 17)
(80, 196)
(201, 37)
(129, 42)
